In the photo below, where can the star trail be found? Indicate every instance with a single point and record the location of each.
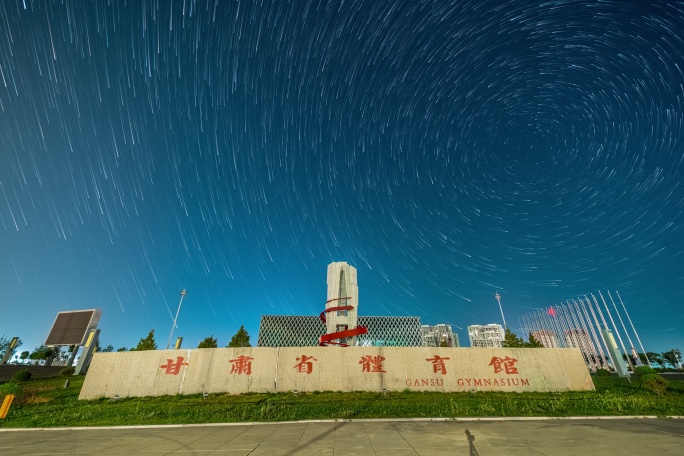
(446, 149)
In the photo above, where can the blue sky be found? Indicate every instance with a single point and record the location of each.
(448, 150)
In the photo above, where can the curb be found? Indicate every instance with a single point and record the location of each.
(362, 420)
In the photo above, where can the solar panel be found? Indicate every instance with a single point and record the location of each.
(71, 327)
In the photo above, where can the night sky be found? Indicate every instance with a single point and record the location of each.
(447, 150)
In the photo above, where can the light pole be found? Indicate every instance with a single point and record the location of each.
(182, 295)
(498, 298)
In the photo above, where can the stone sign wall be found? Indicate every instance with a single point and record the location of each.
(261, 369)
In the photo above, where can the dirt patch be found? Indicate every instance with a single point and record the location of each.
(36, 400)
(33, 389)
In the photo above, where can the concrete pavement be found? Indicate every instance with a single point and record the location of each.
(585, 437)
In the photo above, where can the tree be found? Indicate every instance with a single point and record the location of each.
(656, 358)
(209, 342)
(511, 340)
(240, 339)
(147, 343)
(64, 354)
(122, 349)
(40, 353)
(533, 342)
(51, 354)
(5, 343)
(23, 356)
(107, 349)
(672, 357)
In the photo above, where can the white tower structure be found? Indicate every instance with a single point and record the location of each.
(341, 307)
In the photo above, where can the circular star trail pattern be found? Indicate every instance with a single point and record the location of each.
(448, 150)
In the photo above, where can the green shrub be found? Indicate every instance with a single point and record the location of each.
(654, 383)
(641, 371)
(11, 388)
(21, 376)
(603, 372)
(67, 371)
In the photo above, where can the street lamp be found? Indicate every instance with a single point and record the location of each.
(498, 298)
(182, 295)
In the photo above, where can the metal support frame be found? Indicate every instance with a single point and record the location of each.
(10, 351)
(88, 349)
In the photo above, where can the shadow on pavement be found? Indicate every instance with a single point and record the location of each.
(322, 435)
(471, 442)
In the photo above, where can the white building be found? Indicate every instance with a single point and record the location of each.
(438, 336)
(490, 336)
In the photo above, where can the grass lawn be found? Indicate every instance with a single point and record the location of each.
(46, 403)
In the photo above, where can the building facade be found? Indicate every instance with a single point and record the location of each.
(580, 338)
(489, 336)
(438, 336)
(339, 323)
(305, 330)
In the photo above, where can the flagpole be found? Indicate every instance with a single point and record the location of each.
(605, 326)
(617, 332)
(633, 329)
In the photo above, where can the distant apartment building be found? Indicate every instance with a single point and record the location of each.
(438, 336)
(578, 338)
(547, 338)
(487, 336)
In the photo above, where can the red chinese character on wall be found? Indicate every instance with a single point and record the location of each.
(371, 363)
(438, 364)
(241, 365)
(305, 365)
(173, 368)
(508, 364)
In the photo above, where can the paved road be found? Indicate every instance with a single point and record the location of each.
(390, 438)
(673, 375)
